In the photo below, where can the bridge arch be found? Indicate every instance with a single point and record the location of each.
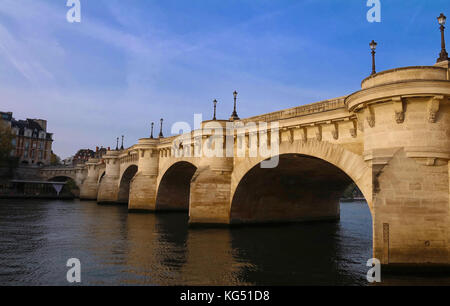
(173, 189)
(71, 186)
(62, 178)
(307, 184)
(125, 182)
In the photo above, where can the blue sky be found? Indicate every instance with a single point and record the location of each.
(129, 63)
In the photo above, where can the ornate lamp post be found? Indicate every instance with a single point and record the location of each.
(373, 47)
(443, 56)
(122, 143)
(117, 144)
(234, 115)
(151, 135)
(215, 108)
(161, 132)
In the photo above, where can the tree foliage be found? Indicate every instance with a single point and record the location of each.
(8, 162)
(55, 160)
(352, 192)
(6, 147)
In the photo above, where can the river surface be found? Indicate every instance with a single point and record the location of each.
(117, 248)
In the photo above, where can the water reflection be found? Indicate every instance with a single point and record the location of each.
(116, 248)
(157, 248)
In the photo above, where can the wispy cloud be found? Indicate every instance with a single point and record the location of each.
(132, 62)
(164, 74)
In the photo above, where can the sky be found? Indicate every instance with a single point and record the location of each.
(130, 63)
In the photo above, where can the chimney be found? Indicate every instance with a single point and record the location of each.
(42, 123)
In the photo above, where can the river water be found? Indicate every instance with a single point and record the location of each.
(117, 248)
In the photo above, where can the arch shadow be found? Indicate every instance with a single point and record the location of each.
(71, 187)
(301, 188)
(124, 185)
(174, 188)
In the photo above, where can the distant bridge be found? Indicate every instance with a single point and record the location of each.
(77, 174)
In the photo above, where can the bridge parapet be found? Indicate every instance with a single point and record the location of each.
(405, 108)
(129, 156)
(304, 110)
(404, 74)
(418, 81)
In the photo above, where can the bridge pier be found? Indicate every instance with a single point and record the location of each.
(108, 190)
(411, 212)
(142, 193)
(89, 188)
(405, 118)
(143, 185)
(210, 197)
(210, 194)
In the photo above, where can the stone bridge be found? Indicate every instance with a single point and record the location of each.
(77, 174)
(391, 138)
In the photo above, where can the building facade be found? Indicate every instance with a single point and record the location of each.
(84, 155)
(32, 144)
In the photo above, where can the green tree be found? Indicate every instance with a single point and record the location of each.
(6, 138)
(71, 188)
(352, 192)
(6, 147)
(55, 160)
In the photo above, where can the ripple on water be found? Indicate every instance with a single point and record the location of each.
(116, 248)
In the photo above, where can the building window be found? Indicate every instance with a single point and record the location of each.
(40, 154)
(14, 142)
(25, 154)
(40, 145)
(27, 145)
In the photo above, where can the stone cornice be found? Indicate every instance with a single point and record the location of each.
(410, 88)
(427, 72)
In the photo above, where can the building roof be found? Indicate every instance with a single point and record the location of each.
(6, 116)
(32, 125)
(35, 125)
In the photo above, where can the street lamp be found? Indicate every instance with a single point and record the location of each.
(151, 134)
(160, 131)
(117, 145)
(215, 107)
(234, 115)
(122, 143)
(443, 56)
(373, 47)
